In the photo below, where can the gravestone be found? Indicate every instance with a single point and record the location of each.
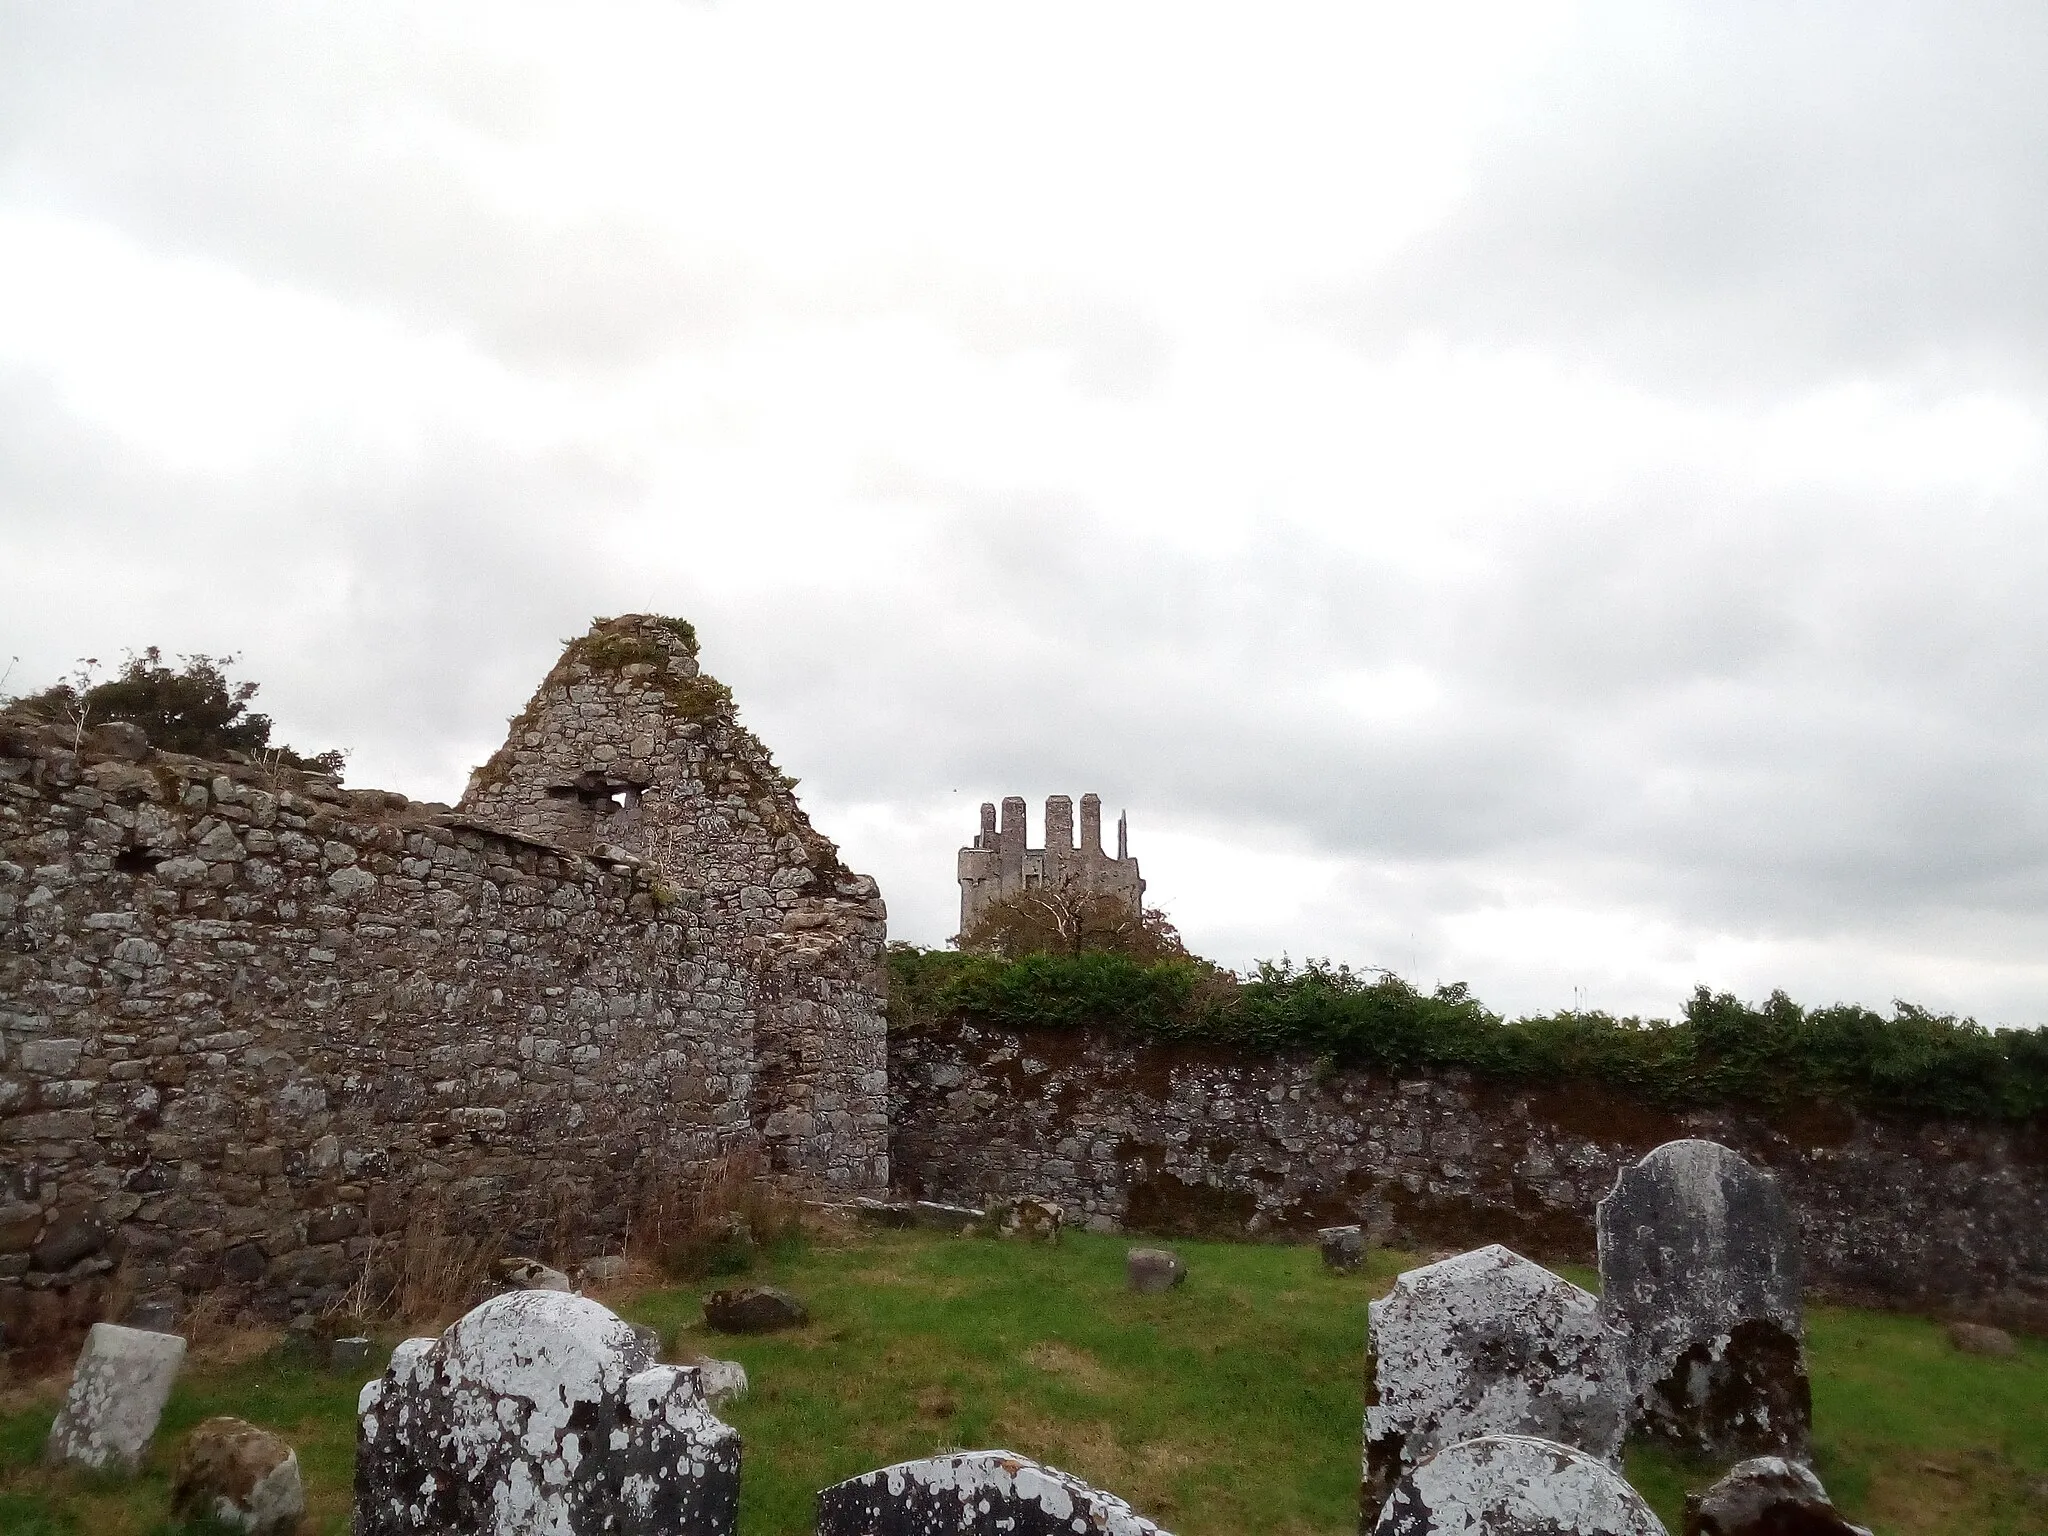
(1150, 1271)
(1486, 1343)
(974, 1493)
(1514, 1485)
(237, 1475)
(118, 1391)
(1343, 1247)
(1699, 1270)
(538, 1412)
(1766, 1496)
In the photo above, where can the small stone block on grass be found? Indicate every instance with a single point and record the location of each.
(1343, 1248)
(754, 1309)
(118, 1391)
(1980, 1339)
(231, 1472)
(345, 1355)
(974, 1493)
(1150, 1271)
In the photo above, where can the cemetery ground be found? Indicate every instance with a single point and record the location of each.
(1228, 1406)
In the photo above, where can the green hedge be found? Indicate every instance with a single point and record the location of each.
(1722, 1050)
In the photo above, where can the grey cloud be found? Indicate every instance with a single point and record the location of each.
(1742, 196)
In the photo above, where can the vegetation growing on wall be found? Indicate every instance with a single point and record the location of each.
(195, 709)
(1722, 1050)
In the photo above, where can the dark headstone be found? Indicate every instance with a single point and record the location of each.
(539, 1411)
(1486, 1343)
(1699, 1270)
(1343, 1247)
(974, 1493)
(754, 1309)
(1150, 1271)
(1514, 1485)
(1766, 1496)
(345, 1355)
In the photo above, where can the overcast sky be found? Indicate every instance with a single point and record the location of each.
(1544, 495)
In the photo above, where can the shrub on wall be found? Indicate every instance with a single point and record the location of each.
(1722, 1050)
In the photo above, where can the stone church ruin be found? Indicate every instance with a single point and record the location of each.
(251, 1023)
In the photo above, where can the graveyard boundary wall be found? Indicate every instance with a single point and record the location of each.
(1925, 1214)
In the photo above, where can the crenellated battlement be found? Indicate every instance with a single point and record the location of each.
(1000, 863)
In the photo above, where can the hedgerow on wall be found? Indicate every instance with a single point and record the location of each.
(1722, 1051)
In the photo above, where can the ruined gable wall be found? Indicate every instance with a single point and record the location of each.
(245, 1030)
(1165, 1138)
(628, 713)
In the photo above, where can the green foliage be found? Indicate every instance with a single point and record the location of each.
(194, 709)
(1722, 1051)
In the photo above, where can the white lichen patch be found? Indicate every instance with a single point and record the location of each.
(975, 1491)
(1515, 1485)
(534, 1416)
(1488, 1343)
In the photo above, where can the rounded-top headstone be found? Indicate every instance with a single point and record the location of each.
(1152, 1270)
(1487, 1343)
(1515, 1485)
(974, 1493)
(1699, 1272)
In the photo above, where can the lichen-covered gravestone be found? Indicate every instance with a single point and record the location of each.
(1515, 1485)
(974, 1493)
(1699, 1270)
(118, 1391)
(1766, 1496)
(238, 1475)
(1343, 1247)
(1486, 1343)
(538, 1413)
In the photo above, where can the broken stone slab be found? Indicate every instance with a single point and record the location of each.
(118, 1391)
(1699, 1271)
(1343, 1248)
(538, 1412)
(974, 1493)
(1150, 1271)
(754, 1309)
(723, 1380)
(1487, 1343)
(1766, 1496)
(947, 1218)
(885, 1213)
(1031, 1218)
(524, 1274)
(1514, 1485)
(238, 1475)
(1982, 1339)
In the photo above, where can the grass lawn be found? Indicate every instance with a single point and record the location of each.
(1230, 1406)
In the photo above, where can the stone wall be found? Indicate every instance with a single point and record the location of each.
(251, 1023)
(1176, 1139)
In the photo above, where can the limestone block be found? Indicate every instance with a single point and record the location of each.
(524, 1274)
(537, 1412)
(1766, 1496)
(1343, 1248)
(1152, 1270)
(754, 1309)
(1032, 1218)
(118, 1391)
(974, 1493)
(1699, 1270)
(1514, 1485)
(723, 1380)
(241, 1476)
(1487, 1343)
(1980, 1339)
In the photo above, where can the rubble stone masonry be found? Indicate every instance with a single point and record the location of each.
(250, 1023)
(1175, 1139)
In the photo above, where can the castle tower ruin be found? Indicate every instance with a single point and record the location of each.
(998, 865)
